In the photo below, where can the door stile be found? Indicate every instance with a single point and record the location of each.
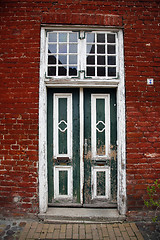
(81, 144)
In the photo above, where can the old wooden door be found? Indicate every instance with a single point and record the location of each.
(63, 147)
(94, 183)
(100, 161)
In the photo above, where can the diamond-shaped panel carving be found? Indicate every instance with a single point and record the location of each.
(62, 126)
(100, 126)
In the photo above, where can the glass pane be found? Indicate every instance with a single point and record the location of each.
(62, 59)
(51, 71)
(62, 48)
(73, 37)
(111, 60)
(90, 71)
(101, 60)
(90, 37)
(62, 37)
(112, 71)
(72, 71)
(111, 38)
(111, 49)
(101, 38)
(62, 71)
(73, 59)
(101, 71)
(90, 48)
(63, 182)
(101, 49)
(101, 183)
(91, 60)
(52, 37)
(52, 48)
(72, 48)
(51, 59)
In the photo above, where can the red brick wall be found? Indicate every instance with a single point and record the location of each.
(19, 87)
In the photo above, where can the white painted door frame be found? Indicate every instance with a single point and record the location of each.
(121, 129)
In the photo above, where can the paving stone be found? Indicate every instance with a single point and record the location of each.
(56, 234)
(39, 230)
(125, 236)
(82, 234)
(94, 231)
(22, 224)
(117, 232)
(36, 235)
(51, 228)
(49, 235)
(99, 231)
(104, 231)
(111, 232)
(130, 231)
(88, 231)
(39, 227)
(121, 227)
(10, 232)
(68, 234)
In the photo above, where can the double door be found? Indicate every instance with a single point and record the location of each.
(81, 142)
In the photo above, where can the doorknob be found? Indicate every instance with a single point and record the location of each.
(85, 146)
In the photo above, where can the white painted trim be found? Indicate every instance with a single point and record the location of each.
(94, 97)
(81, 143)
(56, 97)
(94, 171)
(82, 83)
(121, 129)
(121, 132)
(57, 169)
(43, 182)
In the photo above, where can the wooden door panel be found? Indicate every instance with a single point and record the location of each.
(63, 146)
(100, 161)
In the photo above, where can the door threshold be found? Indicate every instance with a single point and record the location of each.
(79, 205)
(70, 205)
(81, 215)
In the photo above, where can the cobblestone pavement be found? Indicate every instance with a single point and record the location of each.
(19, 230)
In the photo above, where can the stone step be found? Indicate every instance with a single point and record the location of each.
(81, 215)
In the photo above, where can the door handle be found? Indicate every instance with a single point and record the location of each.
(85, 146)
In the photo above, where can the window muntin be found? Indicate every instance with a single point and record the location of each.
(101, 55)
(95, 54)
(62, 54)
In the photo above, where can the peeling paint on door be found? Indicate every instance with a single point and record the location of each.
(100, 154)
(100, 160)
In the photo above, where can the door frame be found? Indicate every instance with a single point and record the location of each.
(121, 129)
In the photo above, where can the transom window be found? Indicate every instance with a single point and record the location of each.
(93, 54)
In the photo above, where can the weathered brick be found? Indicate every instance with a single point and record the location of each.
(19, 89)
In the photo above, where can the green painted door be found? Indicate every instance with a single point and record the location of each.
(63, 146)
(100, 161)
(96, 184)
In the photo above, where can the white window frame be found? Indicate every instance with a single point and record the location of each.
(67, 55)
(119, 84)
(81, 79)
